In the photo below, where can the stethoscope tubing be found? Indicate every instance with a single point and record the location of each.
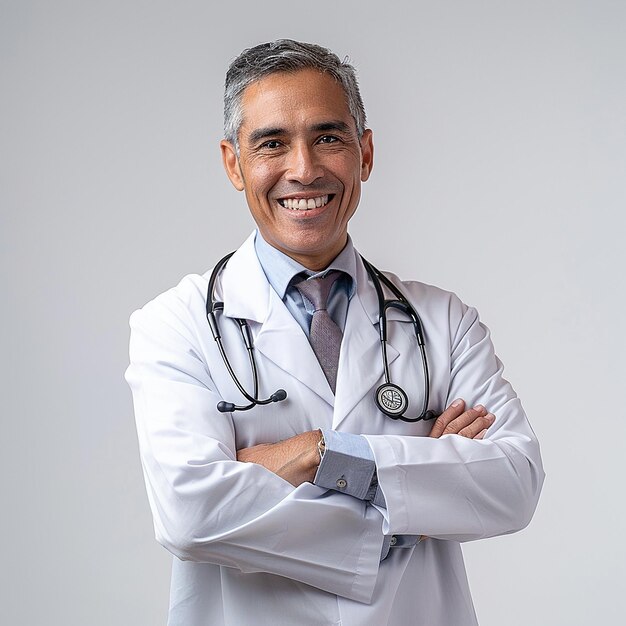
(402, 304)
(389, 397)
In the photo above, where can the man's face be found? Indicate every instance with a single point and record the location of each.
(301, 163)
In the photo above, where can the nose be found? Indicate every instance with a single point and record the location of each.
(303, 165)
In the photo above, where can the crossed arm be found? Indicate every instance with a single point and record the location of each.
(296, 459)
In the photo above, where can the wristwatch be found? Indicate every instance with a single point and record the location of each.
(321, 446)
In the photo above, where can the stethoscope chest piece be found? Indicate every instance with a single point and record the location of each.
(392, 400)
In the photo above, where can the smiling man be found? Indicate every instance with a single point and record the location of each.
(293, 465)
(301, 162)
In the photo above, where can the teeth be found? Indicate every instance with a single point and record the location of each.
(304, 204)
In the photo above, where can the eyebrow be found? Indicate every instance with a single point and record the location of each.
(263, 133)
(274, 131)
(334, 125)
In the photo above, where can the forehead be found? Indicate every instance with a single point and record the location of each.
(283, 99)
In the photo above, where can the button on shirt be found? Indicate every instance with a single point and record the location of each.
(348, 463)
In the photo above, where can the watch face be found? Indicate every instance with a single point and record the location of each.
(391, 400)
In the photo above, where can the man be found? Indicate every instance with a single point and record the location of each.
(318, 508)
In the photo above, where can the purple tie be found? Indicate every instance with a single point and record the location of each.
(325, 335)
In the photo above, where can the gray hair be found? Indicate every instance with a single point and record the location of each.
(285, 55)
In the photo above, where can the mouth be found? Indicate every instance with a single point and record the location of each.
(305, 204)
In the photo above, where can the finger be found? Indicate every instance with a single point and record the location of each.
(477, 426)
(452, 412)
(481, 434)
(466, 419)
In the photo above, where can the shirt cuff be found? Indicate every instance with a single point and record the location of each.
(347, 466)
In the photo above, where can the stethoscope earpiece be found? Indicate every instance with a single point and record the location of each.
(228, 407)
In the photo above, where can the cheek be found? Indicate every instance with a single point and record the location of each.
(352, 190)
(348, 171)
(263, 179)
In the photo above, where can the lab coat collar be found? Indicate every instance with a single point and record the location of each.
(245, 283)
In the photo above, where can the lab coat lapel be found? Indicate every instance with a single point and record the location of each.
(283, 341)
(360, 361)
(279, 337)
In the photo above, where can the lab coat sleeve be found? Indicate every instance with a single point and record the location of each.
(207, 506)
(458, 488)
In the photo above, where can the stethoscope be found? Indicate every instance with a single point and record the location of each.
(390, 398)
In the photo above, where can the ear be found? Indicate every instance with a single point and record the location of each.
(231, 164)
(367, 154)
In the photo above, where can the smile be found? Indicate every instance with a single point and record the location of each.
(304, 204)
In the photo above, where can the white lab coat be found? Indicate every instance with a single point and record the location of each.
(252, 549)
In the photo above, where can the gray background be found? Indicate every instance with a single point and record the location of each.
(500, 174)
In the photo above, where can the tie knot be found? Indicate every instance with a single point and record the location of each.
(316, 290)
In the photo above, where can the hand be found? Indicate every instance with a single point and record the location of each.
(295, 459)
(472, 423)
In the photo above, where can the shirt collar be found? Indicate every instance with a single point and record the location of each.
(280, 269)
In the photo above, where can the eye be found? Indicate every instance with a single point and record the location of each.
(328, 139)
(272, 144)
